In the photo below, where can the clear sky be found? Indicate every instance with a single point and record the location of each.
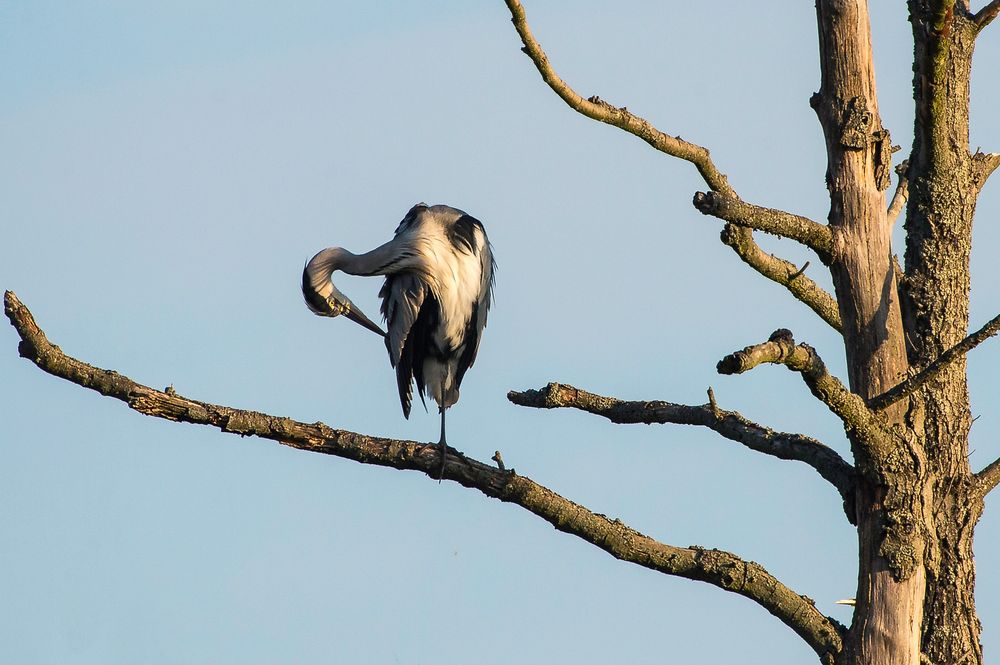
(168, 167)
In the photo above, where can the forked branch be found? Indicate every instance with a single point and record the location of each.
(781, 349)
(730, 424)
(715, 567)
(741, 239)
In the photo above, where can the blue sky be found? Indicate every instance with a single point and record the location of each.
(168, 168)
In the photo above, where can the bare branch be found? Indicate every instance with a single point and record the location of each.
(913, 383)
(986, 15)
(781, 349)
(715, 567)
(983, 165)
(597, 109)
(783, 272)
(741, 241)
(777, 222)
(729, 424)
(989, 477)
(902, 191)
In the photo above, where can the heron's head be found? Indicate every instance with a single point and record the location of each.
(323, 298)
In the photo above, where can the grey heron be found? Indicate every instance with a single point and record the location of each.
(438, 286)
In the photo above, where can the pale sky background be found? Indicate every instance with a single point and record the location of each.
(168, 167)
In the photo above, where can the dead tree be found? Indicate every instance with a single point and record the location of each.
(909, 489)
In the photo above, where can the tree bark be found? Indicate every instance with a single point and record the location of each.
(889, 497)
(910, 490)
(943, 190)
(914, 500)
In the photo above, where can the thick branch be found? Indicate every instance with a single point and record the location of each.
(956, 352)
(783, 272)
(718, 568)
(781, 349)
(597, 109)
(986, 15)
(777, 222)
(989, 477)
(729, 424)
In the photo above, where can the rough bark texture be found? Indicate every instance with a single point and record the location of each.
(721, 569)
(728, 424)
(909, 491)
(890, 590)
(942, 202)
(915, 501)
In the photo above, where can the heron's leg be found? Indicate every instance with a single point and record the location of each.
(443, 445)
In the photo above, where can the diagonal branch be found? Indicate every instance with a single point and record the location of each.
(777, 222)
(597, 109)
(783, 272)
(989, 477)
(742, 239)
(983, 166)
(781, 349)
(715, 567)
(730, 424)
(986, 15)
(956, 352)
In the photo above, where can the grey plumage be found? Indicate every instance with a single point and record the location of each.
(439, 272)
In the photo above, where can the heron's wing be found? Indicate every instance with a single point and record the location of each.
(402, 296)
(480, 309)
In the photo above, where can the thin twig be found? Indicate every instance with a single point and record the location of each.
(914, 383)
(798, 273)
(716, 413)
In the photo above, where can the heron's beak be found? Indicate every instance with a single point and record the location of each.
(356, 315)
(326, 300)
(338, 304)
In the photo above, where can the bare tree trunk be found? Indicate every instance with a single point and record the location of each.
(890, 591)
(943, 190)
(910, 490)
